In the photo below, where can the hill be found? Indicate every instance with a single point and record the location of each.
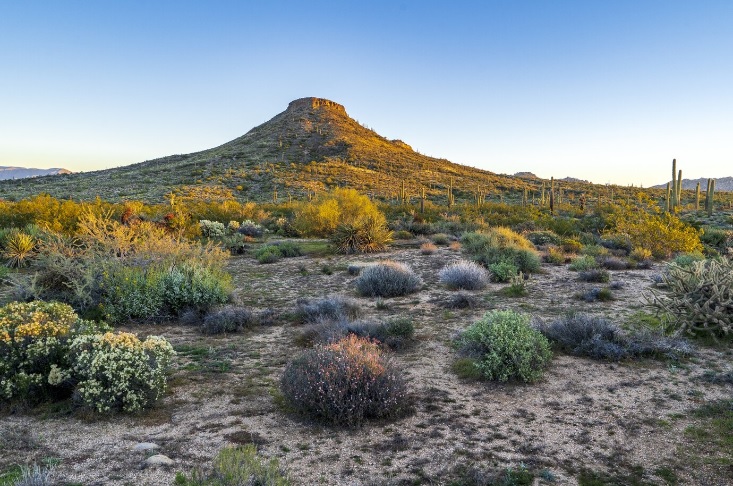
(23, 172)
(723, 184)
(311, 146)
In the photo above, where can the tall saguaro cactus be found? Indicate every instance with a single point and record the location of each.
(697, 197)
(709, 196)
(552, 195)
(673, 202)
(668, 202)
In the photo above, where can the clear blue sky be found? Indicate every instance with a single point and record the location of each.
(609, 91)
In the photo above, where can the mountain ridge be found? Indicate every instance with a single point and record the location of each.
(724, 184)
(14, 172)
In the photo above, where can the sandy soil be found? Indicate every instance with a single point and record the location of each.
(602, 416)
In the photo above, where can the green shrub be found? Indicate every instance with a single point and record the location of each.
(238, 466)
(571, 245)
(34, 346)
(583, 263)
(716, 238)
(228, 319)
(192, 286)
(555, 255)
(368, 234)
(687, 259)
(594, 275)
(505, 347)
(503, 270)
(540, 238)
(502, 245)
(517, 286)
(268, 254)
(344, 383)
(118, 372)
(132, 293)
(441, 239)
(387, 279)
(19, 247)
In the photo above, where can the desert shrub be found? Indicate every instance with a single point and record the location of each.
(505, 347)
(367, 234)
(403, 235)
(617, 242)
(251, 229)
(441, 239)
(351, 220)
(118, 372)
(19, 248)
(354, 269)
(517, 286)
(598, 338)
(455, 246)
(344, 383)
(395, 333)
(597, 294)
(387, 279)
(499, 245)
(428, 248)
(583, 263)
(594, 275)
(34, 347)
(614, 263)
(540, 238)
(132, 293)
(640, 254)
(699, 297)
(555, 255)
(289, 249)
(228, 319)
(715, 237)
(233, 226)
(659, 232)
(503, 270)
(464, 275)
(595, 251)
(571, 245)
(268, 254)
(192, 286)
(237, 466)
(333, 308)
(687, 259)
(212, 229)
(459, 300)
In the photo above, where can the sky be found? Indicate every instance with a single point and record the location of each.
(605, 91)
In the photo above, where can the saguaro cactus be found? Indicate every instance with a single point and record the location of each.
(552, 195)
(668, 203)
(673, 202)
(697, 197)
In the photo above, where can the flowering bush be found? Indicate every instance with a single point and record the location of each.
(118, 372)
(344, 383)
(34, 344)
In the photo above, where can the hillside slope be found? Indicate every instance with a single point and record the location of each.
(311, 146)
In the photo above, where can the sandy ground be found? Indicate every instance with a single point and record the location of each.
(606, 417)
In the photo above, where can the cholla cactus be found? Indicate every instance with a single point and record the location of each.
(699, 297)
(212, 229)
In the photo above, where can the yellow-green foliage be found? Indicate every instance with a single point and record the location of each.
(322, 216)
(663, 234)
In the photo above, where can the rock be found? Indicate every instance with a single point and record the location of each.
(159, 460)
(145, 446)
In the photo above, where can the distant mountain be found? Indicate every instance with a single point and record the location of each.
(312, 146)
(23, 172)
(721, 184)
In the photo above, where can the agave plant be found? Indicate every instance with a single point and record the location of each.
(19, 247)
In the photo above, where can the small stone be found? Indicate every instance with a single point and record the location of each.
(159, 460)
(145, 446)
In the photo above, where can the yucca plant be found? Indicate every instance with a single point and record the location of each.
(19, 247)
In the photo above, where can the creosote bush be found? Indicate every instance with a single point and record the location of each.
(500, 248)
(387, 279)
(228, 319)
(395, 334)
(594, 275)
(464, 275)
(344, 383)
(504, 347)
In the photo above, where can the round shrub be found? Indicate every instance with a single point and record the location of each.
(212, 229)
(228, 319)
(505, 347)
(428, 248)
(118, 372)
(544, 238)
(387, 279)
(251, 229)
(344, 383)
(464, 275)
(192, 286)
(583, 263)
(34, 344)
